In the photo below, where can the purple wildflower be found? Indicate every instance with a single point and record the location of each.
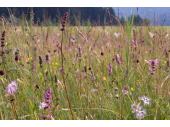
(43, 105)
(109, 69)
(138, 111)
(47, 100)
(140, 114)
(145, 100)
(11, 88)
(48, 96)
(125, 90)
(153, 64)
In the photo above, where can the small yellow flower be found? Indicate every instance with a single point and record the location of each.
(132, 89)
(104, 78)
(54, 63)
(28, 59)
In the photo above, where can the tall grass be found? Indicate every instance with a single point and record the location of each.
(86, 89)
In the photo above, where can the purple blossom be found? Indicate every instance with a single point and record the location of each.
(138, 111)
(12, 88)
(109, 69)
(125, 90)
(153, 65)
(136, 107)
(145, 100)
(48, 96)
(47, 100)
(43, 105)
(140, 114)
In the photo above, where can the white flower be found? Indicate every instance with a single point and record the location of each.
(117, 34)
(12, 88)
(145, 100)
(43, 105)
(138, 111)
(151, 34)
(140, 114)
(136, 107)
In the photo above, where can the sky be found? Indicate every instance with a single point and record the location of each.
(157, 15)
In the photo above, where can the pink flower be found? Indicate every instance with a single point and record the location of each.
(11, 88)
(43, 105)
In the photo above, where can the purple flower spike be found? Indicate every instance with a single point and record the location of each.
(48, 96)
(153, 65)
(46, 104)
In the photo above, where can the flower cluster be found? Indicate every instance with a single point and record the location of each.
(153, 65)
(138, 110)
(11, 89)
(63, 21)
(145, 100)
(47, 100)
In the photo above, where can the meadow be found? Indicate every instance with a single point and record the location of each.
(84, 72)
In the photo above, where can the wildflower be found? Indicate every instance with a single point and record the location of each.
(47, 117)
(117, 96)
(28, 59)
(145, 100)
(117, 34)
(136, 107)
(109, 69)
(153, 64)
(140, 114)
(63, 21)
(11, 88)
(104, 78)
(125, 90)
(48, 96)
(138, 111)
(72, 39)
(118, 59)
(2, 44)
(152, 35)
(47, 100)
(3, 39)
(43, 105)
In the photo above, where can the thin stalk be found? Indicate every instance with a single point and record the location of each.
(63, 76)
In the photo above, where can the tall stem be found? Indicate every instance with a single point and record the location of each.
(63, 76)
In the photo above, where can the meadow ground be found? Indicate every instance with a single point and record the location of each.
(85, 72)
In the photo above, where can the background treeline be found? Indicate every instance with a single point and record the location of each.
(77, 16)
